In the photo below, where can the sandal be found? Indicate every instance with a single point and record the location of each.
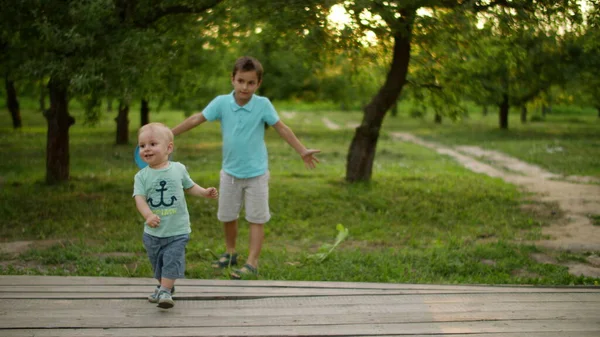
(225, 260)
(244, 273)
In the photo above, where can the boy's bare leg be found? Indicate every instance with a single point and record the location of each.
(231, 230)
(257, 235)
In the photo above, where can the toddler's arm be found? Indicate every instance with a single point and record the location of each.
(200, 191)
(152, 219)
(310, 161)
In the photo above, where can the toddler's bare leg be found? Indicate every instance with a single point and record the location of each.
(167, 283)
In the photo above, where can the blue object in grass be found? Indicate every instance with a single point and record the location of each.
(138, 160)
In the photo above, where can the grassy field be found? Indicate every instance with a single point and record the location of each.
(422, 219)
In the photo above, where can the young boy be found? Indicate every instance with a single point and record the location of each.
(159, 197)
(245, 174)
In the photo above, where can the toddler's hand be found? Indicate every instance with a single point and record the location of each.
(212, 193)
(153, 221)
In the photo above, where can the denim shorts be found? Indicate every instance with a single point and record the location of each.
(167, 255)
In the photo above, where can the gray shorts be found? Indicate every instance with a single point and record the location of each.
(167, 255)
(253, 193)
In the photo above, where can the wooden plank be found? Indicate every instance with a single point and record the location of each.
(232, 294)
(76, 333)
(14, 280)
(431, 301)
(343, 296)
(509, 334)
(124, 313)
(504, 334)
(177, 319)
(99, 291)
(240, 289)
(524, 328)
(309, 303)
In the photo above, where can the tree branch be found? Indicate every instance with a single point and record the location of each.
(151, 18)
(501, 3)
(430, 86)
(477, 6)
(520, 100)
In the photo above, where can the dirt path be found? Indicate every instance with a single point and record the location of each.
(577, 199)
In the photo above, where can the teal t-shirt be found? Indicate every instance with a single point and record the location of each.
(164, 192)
(243, 131)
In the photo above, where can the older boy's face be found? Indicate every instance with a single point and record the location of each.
(245, 84)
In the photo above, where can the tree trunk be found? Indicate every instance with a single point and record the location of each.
(145, 113)
(59, 122)
(109, 105)
(12, 103)
(43, 94)
(484, 110)
(361, 154)
(524, 114)
(504, 106)
(394, 109)
(122, 120)
(438, 118)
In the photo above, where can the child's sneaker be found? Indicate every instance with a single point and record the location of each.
(165, 300)
(153, 298)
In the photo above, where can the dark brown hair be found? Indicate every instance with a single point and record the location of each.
(248, 63)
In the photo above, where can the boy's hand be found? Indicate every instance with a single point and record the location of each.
(212, 193)
(310, 161)
(153, 221)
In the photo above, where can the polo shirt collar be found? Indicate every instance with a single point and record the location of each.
(248, 107)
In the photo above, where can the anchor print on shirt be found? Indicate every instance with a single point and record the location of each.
(162, 190)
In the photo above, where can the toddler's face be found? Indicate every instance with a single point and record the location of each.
(245, 84)
(154, 148)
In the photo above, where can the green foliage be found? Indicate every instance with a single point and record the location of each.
(486, 55)
(326, 249)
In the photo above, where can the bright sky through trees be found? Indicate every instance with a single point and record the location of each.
(339, 18)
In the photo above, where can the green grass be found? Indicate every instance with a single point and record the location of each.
(423, 218)
(562, 143)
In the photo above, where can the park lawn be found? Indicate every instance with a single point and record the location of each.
(422, 219)
(565, 142)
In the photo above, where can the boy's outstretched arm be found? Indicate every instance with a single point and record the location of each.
(189, 123)
(310, 161)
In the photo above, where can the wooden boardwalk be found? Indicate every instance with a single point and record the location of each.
(95, 306)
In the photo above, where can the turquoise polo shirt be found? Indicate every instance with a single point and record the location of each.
(243, 130)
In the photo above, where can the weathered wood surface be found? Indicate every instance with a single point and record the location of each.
(95, 306)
